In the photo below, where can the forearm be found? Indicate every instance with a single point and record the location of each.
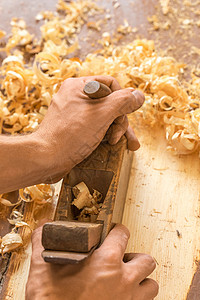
(22, 160)
(71, 130)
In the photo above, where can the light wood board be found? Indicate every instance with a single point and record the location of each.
(163, 196)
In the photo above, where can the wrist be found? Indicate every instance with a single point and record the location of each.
(54, 153)
(43, 155)
(23, 162)
(34, 157)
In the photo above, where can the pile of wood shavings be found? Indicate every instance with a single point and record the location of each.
(39, 194)
(27, 92)
(87, 204)
(27, 88)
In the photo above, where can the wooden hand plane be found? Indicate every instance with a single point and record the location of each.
(106, 170)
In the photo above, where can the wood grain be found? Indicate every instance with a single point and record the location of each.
(162, 212)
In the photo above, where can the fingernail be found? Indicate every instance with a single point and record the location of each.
(139, 96)
(123, 228)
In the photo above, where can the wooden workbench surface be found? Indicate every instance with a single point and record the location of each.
(162, 208)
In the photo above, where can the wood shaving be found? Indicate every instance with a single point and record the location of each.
(125, 28)
(40, 195)
(165, 6)
(10, 242)
(2, 34)
(89, 205)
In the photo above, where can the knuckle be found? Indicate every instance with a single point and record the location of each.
(111, 78)
(125, 236)
(129, 101)
(149, 261)
(67, 81)
(122, 103)
(154, 287)
(128, 280)
(111, 255)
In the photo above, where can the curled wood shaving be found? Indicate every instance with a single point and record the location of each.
(40, 195)
(20, 35)
(15, 217)
(82, 194)
(10, 242)
(89, 205)
(7, 202)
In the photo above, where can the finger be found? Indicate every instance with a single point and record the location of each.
(150, 288)
(110, 81)
(120, 119)
(124, 101)
(133, 143)
(141, 266)
(117, 130)
(37, 247)
(115, 243)
(42, 222)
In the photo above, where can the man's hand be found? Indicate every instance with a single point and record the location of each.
(108, 274)
(72, 128)
(75, 124)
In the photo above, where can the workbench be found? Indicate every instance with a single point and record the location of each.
(162, 209)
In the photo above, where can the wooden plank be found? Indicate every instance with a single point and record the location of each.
(163, 212)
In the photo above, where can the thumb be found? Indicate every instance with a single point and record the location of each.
(116, 242)
(36, 239)
(37, 247)
(125, 101)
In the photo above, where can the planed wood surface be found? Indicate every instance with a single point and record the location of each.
(162, 212)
